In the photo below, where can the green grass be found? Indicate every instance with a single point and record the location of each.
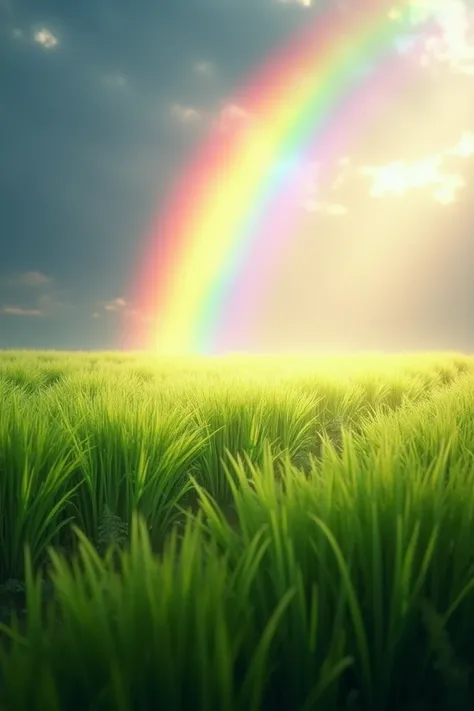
(236, 534)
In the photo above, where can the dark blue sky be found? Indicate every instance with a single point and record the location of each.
(101, 102)
(89, 142)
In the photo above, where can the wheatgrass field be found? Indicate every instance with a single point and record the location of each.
(236, 534)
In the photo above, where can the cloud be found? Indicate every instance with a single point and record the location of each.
(302, 3)
(311, 175)
(465, 146)
(45, 38)
(117, 304)
(446, 192)
(29, 279)
(399, 178)
(42, 298)
(232, 116)
(20, 311)
(310, 186)
(204, 68)
(452, 42)
(41, 36)
(185, 114)
(327, 208)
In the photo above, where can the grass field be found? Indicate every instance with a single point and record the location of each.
(236, 534)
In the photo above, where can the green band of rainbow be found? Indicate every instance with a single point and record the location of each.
(215, 248)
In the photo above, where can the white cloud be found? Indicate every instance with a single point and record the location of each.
(203, 68)
(303, 3)
(465, 146)
(399, 178)
(229, 118)
(117, 304)
(446, 192)
(29, 279)
(327, 208)
(121, 307)
(451, 43)
(44, 299)
(310, 179)
(45, 38)
(19, 311)
(185, 114)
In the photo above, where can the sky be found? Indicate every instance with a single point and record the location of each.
(101, 106)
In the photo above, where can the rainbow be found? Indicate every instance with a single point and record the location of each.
(212, 252)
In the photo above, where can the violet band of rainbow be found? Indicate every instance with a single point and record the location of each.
(236, 206)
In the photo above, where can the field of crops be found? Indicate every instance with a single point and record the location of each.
(236, 534)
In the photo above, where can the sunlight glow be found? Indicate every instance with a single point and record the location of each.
(398, 178)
